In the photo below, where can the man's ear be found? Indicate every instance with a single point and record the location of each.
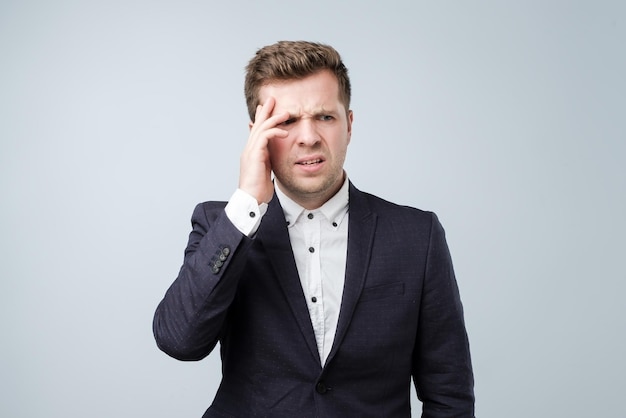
(250, 125)
(350, 119)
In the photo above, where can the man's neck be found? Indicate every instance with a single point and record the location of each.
(311, 201)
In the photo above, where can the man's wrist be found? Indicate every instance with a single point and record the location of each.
(245, 212)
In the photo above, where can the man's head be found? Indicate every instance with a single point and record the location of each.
(293, 60)
(304, 90)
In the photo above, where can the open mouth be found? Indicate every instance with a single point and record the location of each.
(310, 162)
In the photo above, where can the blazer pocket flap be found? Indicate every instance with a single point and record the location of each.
(382, 291)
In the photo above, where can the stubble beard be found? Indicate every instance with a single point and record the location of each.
(314, 190)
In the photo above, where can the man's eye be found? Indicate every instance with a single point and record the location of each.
(289, 121)
(326, 117)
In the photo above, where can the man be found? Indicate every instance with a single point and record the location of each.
(325, 300)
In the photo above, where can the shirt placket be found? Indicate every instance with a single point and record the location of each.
(316, 300)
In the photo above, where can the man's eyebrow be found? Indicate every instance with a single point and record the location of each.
(294, 115)
(297, 114)
(322, 111)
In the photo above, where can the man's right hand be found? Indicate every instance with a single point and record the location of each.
(255, 170)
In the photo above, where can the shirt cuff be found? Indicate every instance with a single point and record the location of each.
(244, 212)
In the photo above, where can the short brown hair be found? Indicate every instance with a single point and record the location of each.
(288, 60)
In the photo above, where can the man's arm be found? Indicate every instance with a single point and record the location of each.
(188, 322)
(189, 319)
(442, 368)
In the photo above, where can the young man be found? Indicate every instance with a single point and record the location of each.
(325, 300)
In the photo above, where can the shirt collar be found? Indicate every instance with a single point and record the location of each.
(335, 209)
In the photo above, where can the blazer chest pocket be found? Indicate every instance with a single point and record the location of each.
(382, 291)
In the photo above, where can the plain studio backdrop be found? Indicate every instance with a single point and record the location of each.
(506, 118)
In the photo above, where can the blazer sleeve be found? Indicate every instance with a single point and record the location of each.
(190, 318)
(442, 369)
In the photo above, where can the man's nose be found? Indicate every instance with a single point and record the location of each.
(308, 134)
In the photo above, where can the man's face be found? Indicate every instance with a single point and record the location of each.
(308, 163)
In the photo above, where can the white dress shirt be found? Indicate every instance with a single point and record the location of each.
(319, 240)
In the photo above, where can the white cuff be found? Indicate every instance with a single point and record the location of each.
(244, 212)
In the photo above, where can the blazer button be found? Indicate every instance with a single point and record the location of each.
(321, 388)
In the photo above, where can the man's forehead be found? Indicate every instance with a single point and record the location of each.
(296, 102)
(303, 108)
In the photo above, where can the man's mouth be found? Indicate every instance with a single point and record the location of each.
(310, 162)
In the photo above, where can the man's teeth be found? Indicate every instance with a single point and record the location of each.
(310, 162)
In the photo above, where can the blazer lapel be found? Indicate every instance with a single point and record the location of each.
(274, 237)
(361, 228)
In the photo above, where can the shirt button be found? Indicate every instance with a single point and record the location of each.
(252, 214)
(310, 216)
(335, 224)
(311, 249)
(313, 299)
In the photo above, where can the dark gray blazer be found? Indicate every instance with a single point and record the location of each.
(401, 316)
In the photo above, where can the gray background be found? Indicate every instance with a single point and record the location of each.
(506, 118)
